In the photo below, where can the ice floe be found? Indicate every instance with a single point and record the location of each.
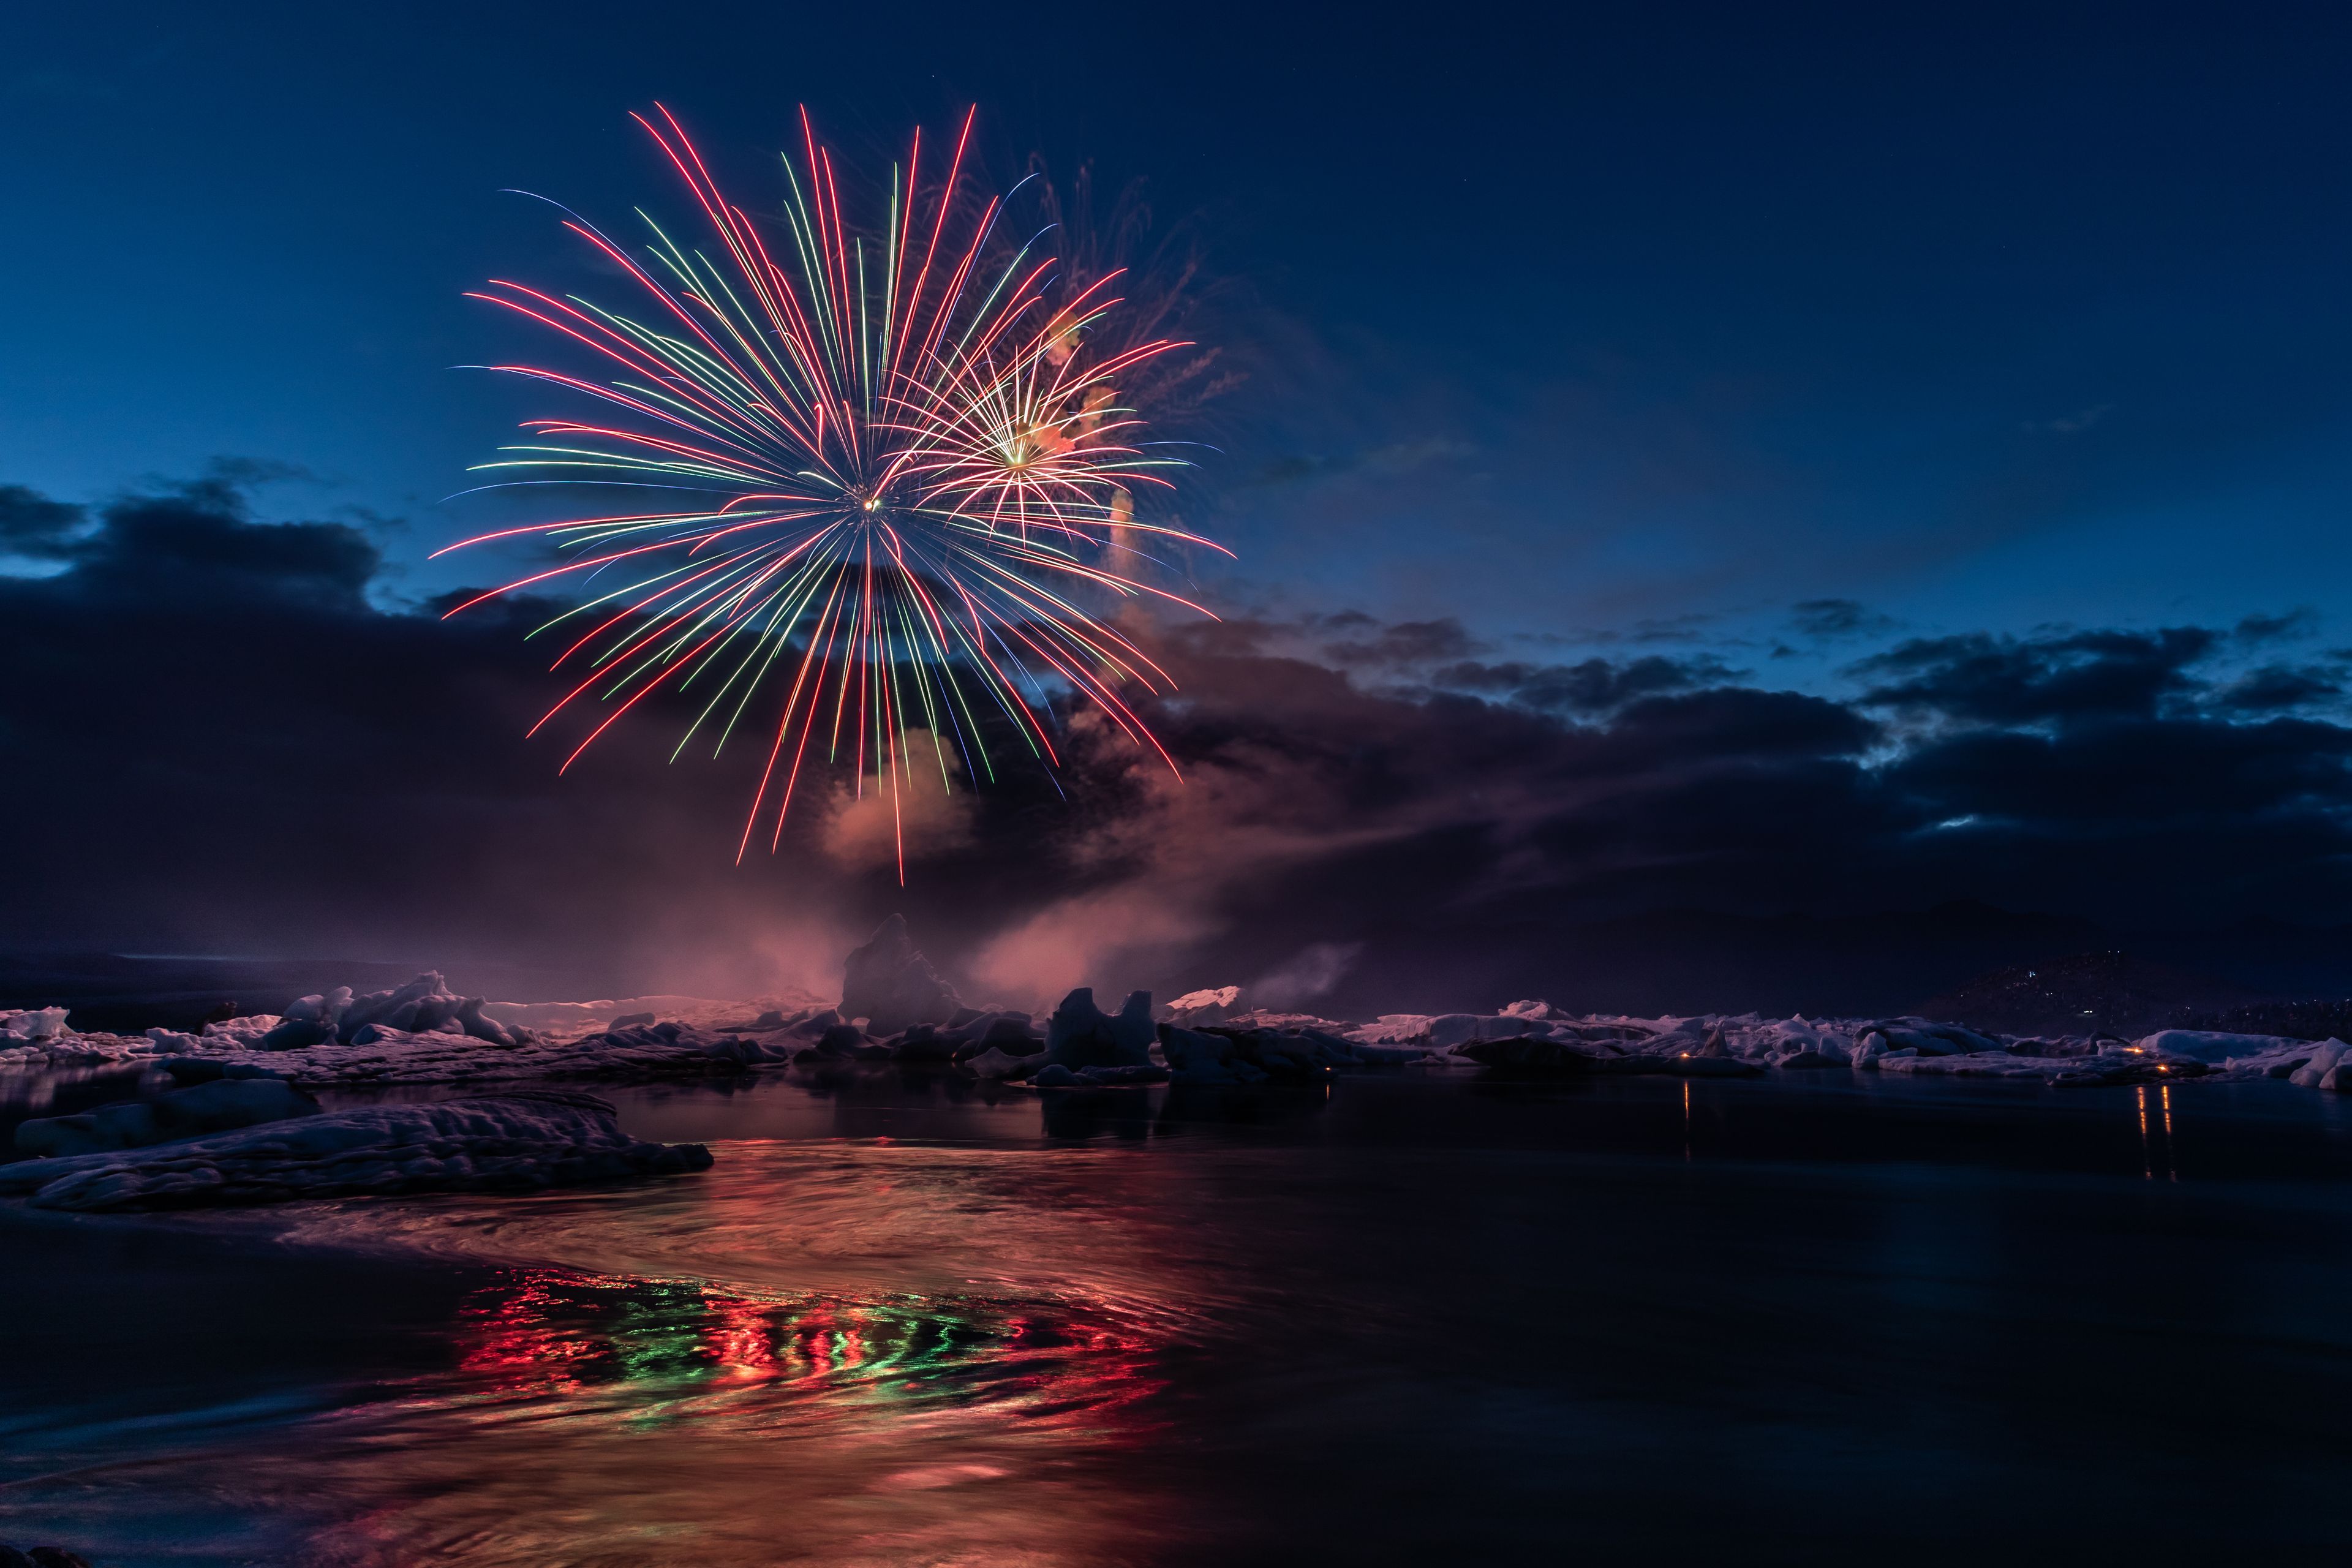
(219, 1106)
(518, 1141)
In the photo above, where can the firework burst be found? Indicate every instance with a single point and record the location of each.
(911, 479)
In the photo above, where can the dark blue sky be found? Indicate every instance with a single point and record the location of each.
(1984, 317)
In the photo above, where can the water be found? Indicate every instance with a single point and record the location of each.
(1819, 1318)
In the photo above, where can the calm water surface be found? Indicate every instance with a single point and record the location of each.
(1413, 1319)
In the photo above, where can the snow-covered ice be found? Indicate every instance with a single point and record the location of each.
(518, 1141)
(1079, 1036)
(216, 1107)
(32, 1024)
(643, 1051)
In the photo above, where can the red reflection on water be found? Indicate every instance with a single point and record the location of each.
(740, 1341)
(552, 1333)
(516, 1346)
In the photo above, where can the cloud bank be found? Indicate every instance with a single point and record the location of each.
(220, 742)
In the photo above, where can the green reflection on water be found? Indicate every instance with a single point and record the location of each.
(653, 1350)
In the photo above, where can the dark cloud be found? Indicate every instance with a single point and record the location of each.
(219, 744)
(223, 747)
(1592, 687)
(33, 527)
(2060, 678)
(196, 543)
(2277, 688)
(1369, 643)
(2295, 623)
(1827, 618)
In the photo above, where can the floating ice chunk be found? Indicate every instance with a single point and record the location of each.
(1525, 1054)
(1392, 1029)
(995, 1063)
(34, 1024)
(1458, 1029)
(568, 1019)
(214, 1106)
(1196, 1057)
(1081, 1034)
(2206, 1046)
(394, 1056)
(1926, 1038)
(519, 1140)
(1195, 1008)
(2324, 1057)
(73, 1050)
(1016, 1033)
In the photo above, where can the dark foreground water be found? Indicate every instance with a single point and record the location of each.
(1812, 1320)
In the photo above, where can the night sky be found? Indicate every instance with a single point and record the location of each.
(1765, 462)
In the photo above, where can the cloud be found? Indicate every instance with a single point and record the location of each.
(1305, 976)
(1592, 686)
(2275, 687)
(2059, 677)
(922, 811)
(1403, 643)
(223, 744)
(196, 543)
(36, 527)
(2295, 623)
(1827, 618)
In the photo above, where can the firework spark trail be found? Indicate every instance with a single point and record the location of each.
(914, 470)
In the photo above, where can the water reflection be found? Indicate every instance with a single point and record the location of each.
(2149, 1157)
(604, 1418)
(836, 1353)
(658, 1351)
(616, 1420)
(1411, 1321)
